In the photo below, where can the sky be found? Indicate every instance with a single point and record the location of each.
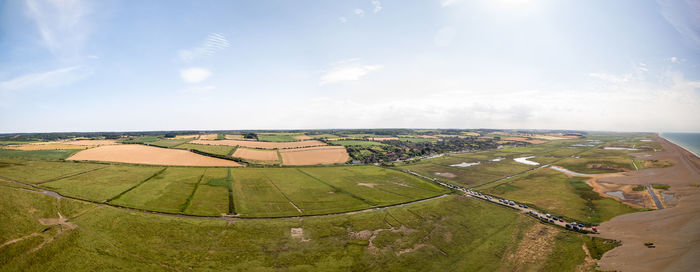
(73, 65)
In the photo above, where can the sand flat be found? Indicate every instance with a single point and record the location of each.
(674, 231)
(142, 154)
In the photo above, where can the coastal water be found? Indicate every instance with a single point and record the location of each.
(689, 141)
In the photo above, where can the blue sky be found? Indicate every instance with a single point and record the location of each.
(179, 65)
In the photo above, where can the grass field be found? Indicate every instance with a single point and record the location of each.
(309, 194)
(39, 154)
(41, 171)
(597, 165)
(169, 143)
(103, 184)
(211, 196)
(377, 186)
(560, 195)
(447, 234)
(165, 192)
(213, 149)
(277, 137)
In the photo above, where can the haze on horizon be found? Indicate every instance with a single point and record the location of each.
(207, 65)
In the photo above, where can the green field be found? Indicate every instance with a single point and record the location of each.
(330, 218)
(256, 195)
(559, 195)
(442, 235)
(311, 195)
(38, 154)
(169, 143)
(103, 184)
(275, 137)
(211, 196)
(488, 170)
(166, 192)
(223, 150)
(374, 185)
(41, 171)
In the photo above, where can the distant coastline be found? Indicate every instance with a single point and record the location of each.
(685, 146)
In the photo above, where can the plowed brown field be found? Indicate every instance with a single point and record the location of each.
(148, 155)
(265, 145)
(314, 155)
(256, 154)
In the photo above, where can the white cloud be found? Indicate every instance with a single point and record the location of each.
(675, 60)
(348, 70)
(194, 74)
(359, 12)
(213, 43)
(61, 24)
(684, 16)
(53, 78)
(343, 19)
(445, 36)
(377, 6)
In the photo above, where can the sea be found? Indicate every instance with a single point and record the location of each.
(689, 141)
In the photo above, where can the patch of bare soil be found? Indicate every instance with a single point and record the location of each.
(674, 231)
(371, 235)
(370, 185)
(142, 154)
(298, 233)
(445, 174)
(534, 247)
(589, 263)
(622, 192)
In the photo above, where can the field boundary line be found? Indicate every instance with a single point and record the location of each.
(229, 183)
(70, 175)
(137, 185)
(233, 150)
(337, 188)
(283, 194)
(222, 218)
(194, 190)
(279, 156)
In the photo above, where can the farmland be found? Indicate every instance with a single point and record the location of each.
(257, 154)
(148, 155)
(211, 149)
(361, 216)
(314, 156)
(430, 236)
(258, 144)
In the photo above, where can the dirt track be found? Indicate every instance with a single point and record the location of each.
(674, 231)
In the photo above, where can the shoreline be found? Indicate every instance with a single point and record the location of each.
(678, 145)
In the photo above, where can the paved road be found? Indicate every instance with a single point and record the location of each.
(653, 195)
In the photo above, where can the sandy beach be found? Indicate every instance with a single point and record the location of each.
(674, 231)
